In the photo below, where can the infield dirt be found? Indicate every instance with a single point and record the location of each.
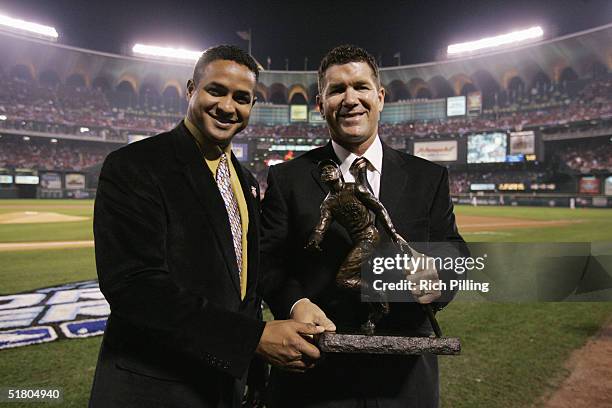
(482, 223)
(590, 381)
(34, 217)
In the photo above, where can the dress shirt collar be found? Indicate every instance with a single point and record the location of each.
(210, 150)
(374, 154)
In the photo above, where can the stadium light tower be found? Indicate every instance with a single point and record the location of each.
(29, 28)
(157, 52)
(492, 43)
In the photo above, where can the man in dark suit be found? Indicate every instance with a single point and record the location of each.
(176, 228)
(415, 193)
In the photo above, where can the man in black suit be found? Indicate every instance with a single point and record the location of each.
(415, 193)
(176, 228)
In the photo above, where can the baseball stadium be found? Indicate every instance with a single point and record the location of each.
(524, 130)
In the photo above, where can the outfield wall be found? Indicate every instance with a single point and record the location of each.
(534, 200)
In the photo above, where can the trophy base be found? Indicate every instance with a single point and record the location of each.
(399, 345)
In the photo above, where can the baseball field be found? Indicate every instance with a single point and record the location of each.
(514, 354)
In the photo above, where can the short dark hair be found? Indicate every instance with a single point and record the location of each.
(224, 52)
(343, 54)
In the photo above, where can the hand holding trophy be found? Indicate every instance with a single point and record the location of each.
(351, 205)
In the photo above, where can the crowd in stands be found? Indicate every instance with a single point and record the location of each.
(42, 154)
(62, 109)
(593, 102)
(67, 109)
(586, 156)
(302, 130)
(72, 110)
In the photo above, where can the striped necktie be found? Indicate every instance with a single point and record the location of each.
(231, 205)
(359, 169)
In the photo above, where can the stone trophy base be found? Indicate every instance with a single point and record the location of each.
(398, 345)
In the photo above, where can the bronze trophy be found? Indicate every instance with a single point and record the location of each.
(350, 204)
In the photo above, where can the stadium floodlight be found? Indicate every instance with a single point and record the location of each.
(28, 27)
(489, 43)
(166, 52)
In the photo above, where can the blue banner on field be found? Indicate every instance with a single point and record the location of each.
(74, 310)
(25, 337)
(84, 328)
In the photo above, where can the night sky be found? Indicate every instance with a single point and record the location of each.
(419, 30)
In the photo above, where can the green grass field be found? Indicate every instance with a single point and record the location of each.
(68, 231)
(513, 354)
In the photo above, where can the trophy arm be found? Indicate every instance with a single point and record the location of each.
(325, 219)
(319, 230)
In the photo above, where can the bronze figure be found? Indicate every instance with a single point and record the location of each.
(350, 205)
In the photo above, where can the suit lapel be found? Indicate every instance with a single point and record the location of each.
(393, 182)
(205, 189)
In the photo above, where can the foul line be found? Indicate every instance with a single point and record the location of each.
(21, 246)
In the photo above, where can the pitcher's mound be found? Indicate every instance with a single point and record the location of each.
(30, 217)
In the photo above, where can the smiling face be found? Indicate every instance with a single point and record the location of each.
(351, 101)
(220, 103)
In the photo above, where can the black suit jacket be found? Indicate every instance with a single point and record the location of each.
(178, 334)
(415, 192)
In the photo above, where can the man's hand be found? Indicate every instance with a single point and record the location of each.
(284, 345)
(426, 273)
(305, 311)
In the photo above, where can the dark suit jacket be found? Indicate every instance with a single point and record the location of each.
(415, 192)
(178, 334)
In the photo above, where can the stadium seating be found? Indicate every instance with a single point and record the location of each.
(42, 154)
(78, 111)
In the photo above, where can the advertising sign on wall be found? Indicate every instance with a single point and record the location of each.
(522, 142)
(51, 180)
(299, 113)
(608, 186)
(442, 151)
(589, 185)
(455, 106)
(21, 179)
(474, 103)
(75, 181)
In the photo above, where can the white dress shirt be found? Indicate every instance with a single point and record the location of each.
(374, 154)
